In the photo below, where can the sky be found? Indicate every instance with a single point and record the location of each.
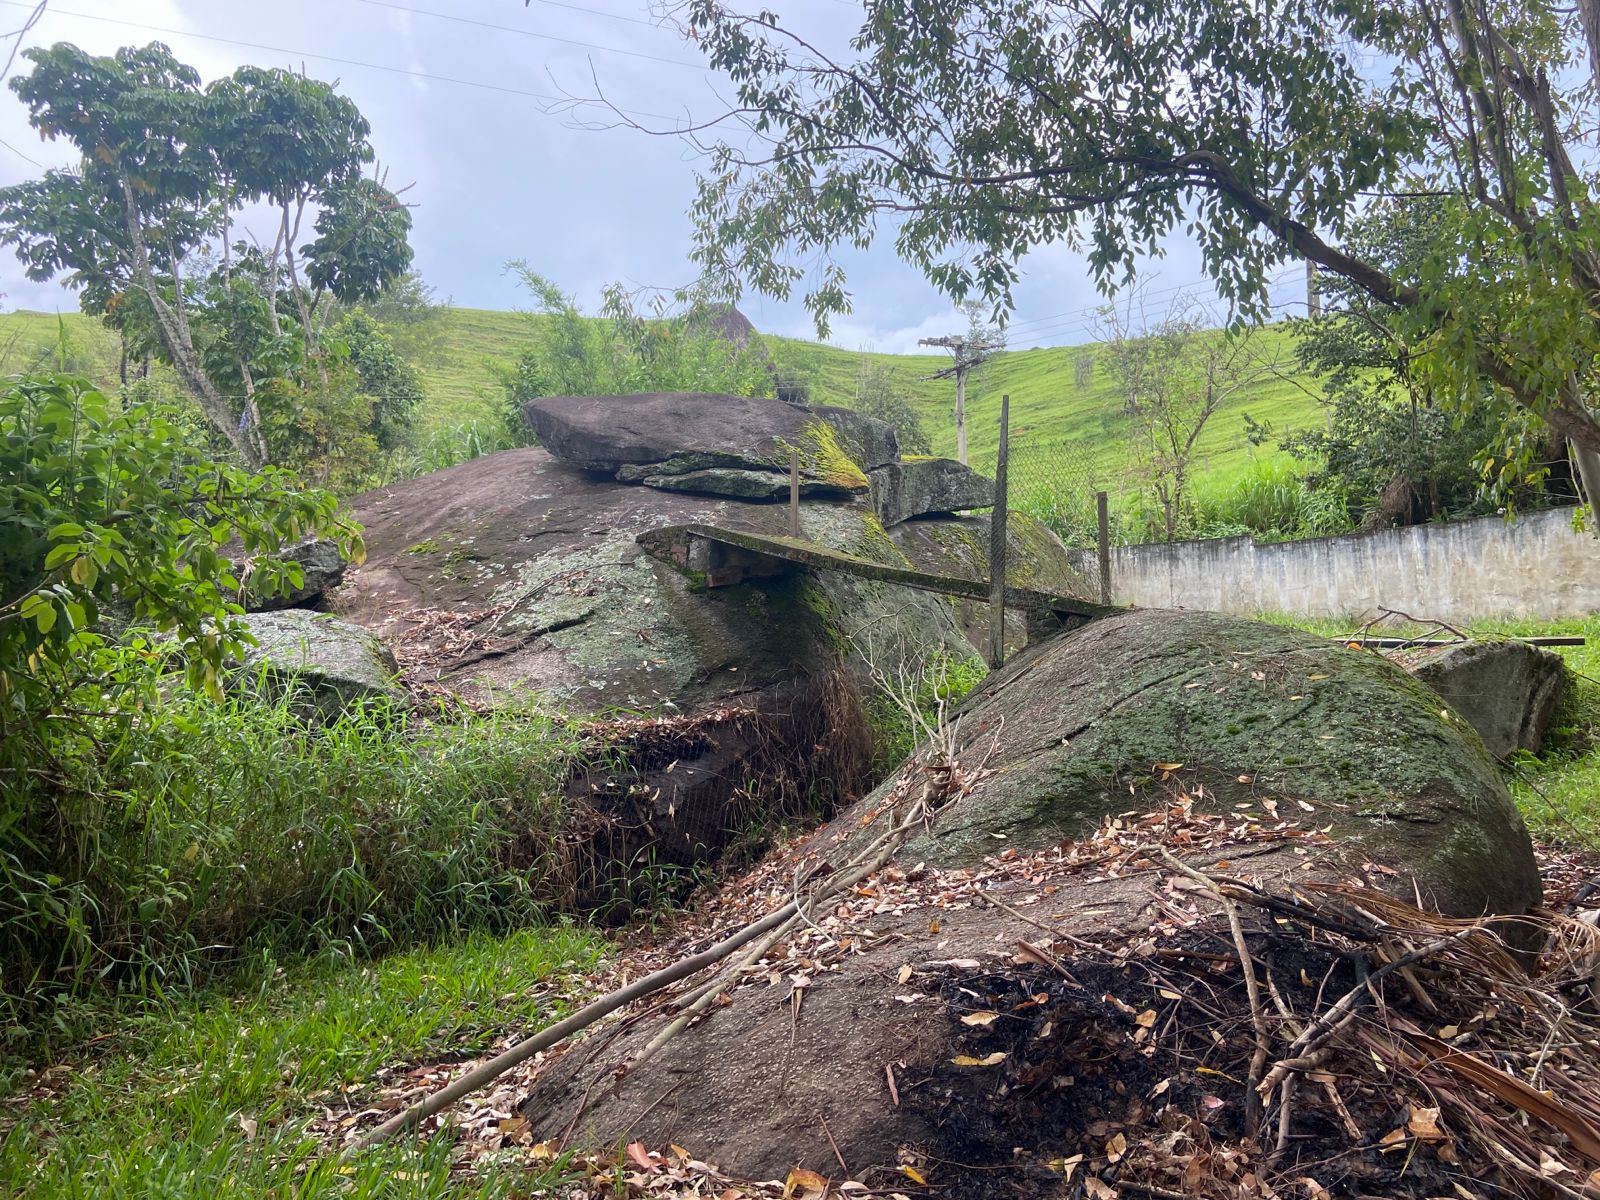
(465, 99)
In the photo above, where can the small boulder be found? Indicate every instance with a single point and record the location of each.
(923, 486)
(1507, 690)
(678, 432)
(340, 664)
(321, 567)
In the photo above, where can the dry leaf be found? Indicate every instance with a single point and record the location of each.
(1313, 1189)
(248, 1125)
(1116, 1148)
(1099, 1190)
(905, 975)
(988, 1060)
(1064, 1166)
(641, 1156)
(914, 1175)
(1146, 1019)
(983, 1019)
(1424, 1122)
(804, 1185)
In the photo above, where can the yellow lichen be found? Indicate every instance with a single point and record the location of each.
(823, 458)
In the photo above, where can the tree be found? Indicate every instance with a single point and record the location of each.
(146, 225)
(878, 394)
(109, 503)
(1173, 378)
(1394, 449)
(681, 343)
(983, 128)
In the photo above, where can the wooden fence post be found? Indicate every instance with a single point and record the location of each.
(794, 493)
(997, 544)
(1105, 547)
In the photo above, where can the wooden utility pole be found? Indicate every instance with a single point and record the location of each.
(997, 544)
(1313, 294)
(968, 354)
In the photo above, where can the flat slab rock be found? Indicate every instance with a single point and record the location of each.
(736, 483)
(920, 487)
(674, 433)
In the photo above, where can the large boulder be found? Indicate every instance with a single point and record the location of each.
(660, 434)
(337, 663)
(1272, 757)
(1507, 690)
(1248, 716)
(918, 487)
(516, 577)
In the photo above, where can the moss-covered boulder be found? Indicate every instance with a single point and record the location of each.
(1270, 723)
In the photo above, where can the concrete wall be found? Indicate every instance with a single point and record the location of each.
(1535, 566)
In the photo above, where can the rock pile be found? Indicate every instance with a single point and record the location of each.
(742, 448)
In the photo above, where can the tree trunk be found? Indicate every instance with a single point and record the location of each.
(175, 337)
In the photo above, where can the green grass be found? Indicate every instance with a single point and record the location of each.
(1558, 790)
(163, 1105)
(1047, 405)
(178, 845)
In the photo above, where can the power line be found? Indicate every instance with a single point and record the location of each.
(599, 12)
(548, 37)
(347, 62)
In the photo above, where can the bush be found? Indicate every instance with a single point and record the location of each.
(1272, 501)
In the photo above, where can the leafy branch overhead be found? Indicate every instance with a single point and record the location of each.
(972, 131)
(147, 225)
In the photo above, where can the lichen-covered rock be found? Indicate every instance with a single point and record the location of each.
(737, 483)
(1325, 766)
(1239, 713)
(321, 567)
(674, 433)
(1506, 690)
(920, 486)
(337, 662)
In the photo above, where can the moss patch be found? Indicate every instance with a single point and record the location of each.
(1265, 724)
(822, 457)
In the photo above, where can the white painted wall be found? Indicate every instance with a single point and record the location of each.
(1535, 566)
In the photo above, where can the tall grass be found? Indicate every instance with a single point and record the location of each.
(175, 846)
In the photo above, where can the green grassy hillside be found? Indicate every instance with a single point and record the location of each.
(1058, 428)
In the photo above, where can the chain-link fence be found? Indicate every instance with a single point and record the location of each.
(1056, 481)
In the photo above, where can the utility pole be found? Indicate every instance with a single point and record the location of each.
(968, 354)
(1313, 293)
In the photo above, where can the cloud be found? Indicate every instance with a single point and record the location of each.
(499, 174)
